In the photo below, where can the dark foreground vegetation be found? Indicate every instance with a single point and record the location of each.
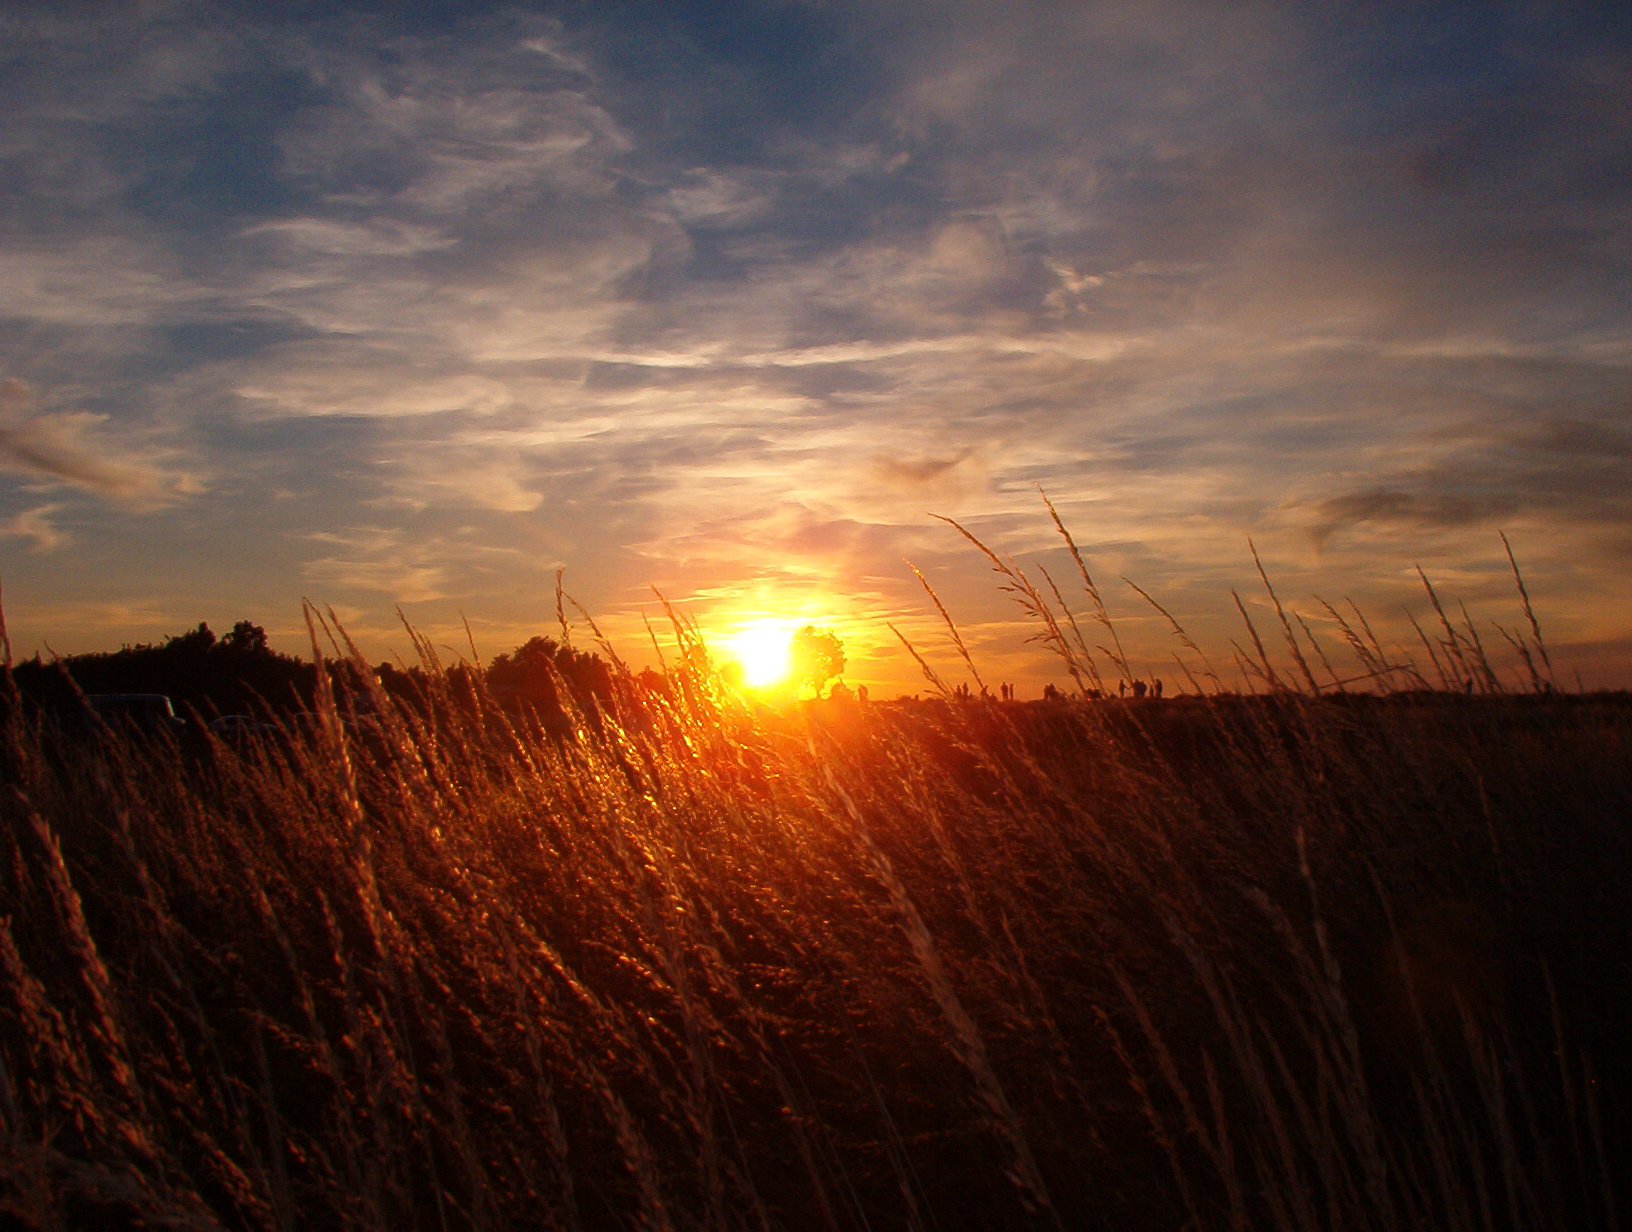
(1276, 962)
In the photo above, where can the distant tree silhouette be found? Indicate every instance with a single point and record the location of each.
(236, 674)
(815, 656)
(241, 674)
(537, 671)
(245, 638)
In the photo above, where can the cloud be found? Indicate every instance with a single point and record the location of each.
(1590, 442)
(942, 484)
(100, 283)
(55, 447)
(919, 471)
(357, 380)
(1387, 506)
(380, 559)
(352, 239)
(441, 136)
(409, 567)
(718, 199)
(482, 470)
(1495, 468)
(36, 525)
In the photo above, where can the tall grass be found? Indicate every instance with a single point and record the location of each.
(1287, 961)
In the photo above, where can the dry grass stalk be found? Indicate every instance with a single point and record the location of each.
(951, 626)
(1184, 638)
(1262, 665)
(1035, 606)
(1119, 657)
(1286, 625)
(1529, 612)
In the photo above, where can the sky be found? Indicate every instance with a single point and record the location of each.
(404, 307)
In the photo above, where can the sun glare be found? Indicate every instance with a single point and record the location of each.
(762, 649)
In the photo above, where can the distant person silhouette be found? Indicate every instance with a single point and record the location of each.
(861, 694)
(1138, 689)
(1121, 688)
(1158, 688)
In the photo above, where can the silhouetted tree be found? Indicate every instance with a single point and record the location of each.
(195, 642)
(536, 671)
(245, 638)
(528, 672)
(815, 656)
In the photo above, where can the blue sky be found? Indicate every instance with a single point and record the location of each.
(410, 305)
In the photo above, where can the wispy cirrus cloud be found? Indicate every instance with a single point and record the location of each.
(37, 526)
(410, 568)
(59, 448)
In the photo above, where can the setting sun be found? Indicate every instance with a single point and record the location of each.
(762, 649)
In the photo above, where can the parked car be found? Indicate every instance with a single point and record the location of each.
(144, 713)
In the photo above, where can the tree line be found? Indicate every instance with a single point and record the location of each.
(240, 673)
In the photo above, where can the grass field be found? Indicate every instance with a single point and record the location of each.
(1284, 961)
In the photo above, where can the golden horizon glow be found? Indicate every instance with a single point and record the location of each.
(761, 646)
